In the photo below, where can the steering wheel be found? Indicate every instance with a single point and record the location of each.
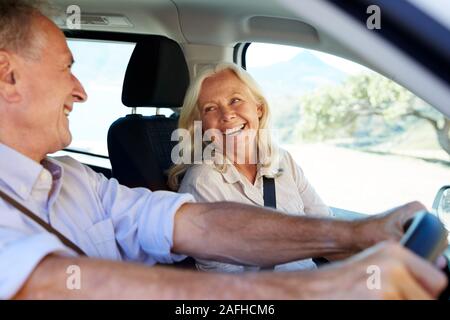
(426, 236)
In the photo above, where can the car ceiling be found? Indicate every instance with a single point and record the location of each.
(215, 23)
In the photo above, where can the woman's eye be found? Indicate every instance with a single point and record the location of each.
(235, 100)
(208, 109)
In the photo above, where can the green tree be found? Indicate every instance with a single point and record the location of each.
(342, 110)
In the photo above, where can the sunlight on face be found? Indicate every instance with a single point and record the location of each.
(227, 105)
(49, 91)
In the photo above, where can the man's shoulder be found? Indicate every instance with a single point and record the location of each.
(66, 161)
(70, 164)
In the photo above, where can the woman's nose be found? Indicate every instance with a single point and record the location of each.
(227, 113)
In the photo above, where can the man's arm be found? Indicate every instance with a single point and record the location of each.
(250, 235)
(103, 279)
(403, 275)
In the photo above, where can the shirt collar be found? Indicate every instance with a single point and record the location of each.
(232, 175)
(55, 168)
(226, 168)
(21, 173)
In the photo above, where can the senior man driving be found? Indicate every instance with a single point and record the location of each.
(115, 225)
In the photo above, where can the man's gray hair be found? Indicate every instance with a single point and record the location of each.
(16, 19)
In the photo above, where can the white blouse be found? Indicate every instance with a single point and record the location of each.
(294, 195)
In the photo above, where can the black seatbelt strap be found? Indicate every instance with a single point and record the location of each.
(269, 194)
(41, 222)
(270, 200)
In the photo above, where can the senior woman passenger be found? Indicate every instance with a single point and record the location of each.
(233, 110)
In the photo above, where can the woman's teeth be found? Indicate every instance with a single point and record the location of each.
(235, 130)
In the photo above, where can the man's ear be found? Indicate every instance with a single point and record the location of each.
(8, 88)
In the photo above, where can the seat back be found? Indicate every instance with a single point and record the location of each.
(140, 146)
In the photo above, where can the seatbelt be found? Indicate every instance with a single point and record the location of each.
(42, 223)
(270, 200)
(269, 194)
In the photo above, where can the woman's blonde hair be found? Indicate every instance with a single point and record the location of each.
(190, 112)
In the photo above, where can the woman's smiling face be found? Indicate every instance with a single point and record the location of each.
(227, 104)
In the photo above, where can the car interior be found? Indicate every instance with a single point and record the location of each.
(358, 108)
(174, 39)
(140, 146)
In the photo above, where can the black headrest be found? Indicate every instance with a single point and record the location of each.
(157, 74)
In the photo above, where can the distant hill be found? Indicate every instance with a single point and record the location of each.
(284, 82)
(304, 72)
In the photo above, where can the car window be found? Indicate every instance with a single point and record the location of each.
(101, 67)
(365, 143)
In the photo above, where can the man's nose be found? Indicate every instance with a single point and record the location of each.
(79, 94)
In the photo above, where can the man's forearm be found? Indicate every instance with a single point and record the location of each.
(102, 279)
(250, 235)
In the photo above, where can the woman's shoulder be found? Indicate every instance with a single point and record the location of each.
(285, 159)
(205, 183)
(283, 154)
(288, 164)
(201, 173)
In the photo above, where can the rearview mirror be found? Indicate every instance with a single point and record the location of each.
(441, 206)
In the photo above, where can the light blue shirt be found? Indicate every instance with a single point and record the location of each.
(105, 219)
